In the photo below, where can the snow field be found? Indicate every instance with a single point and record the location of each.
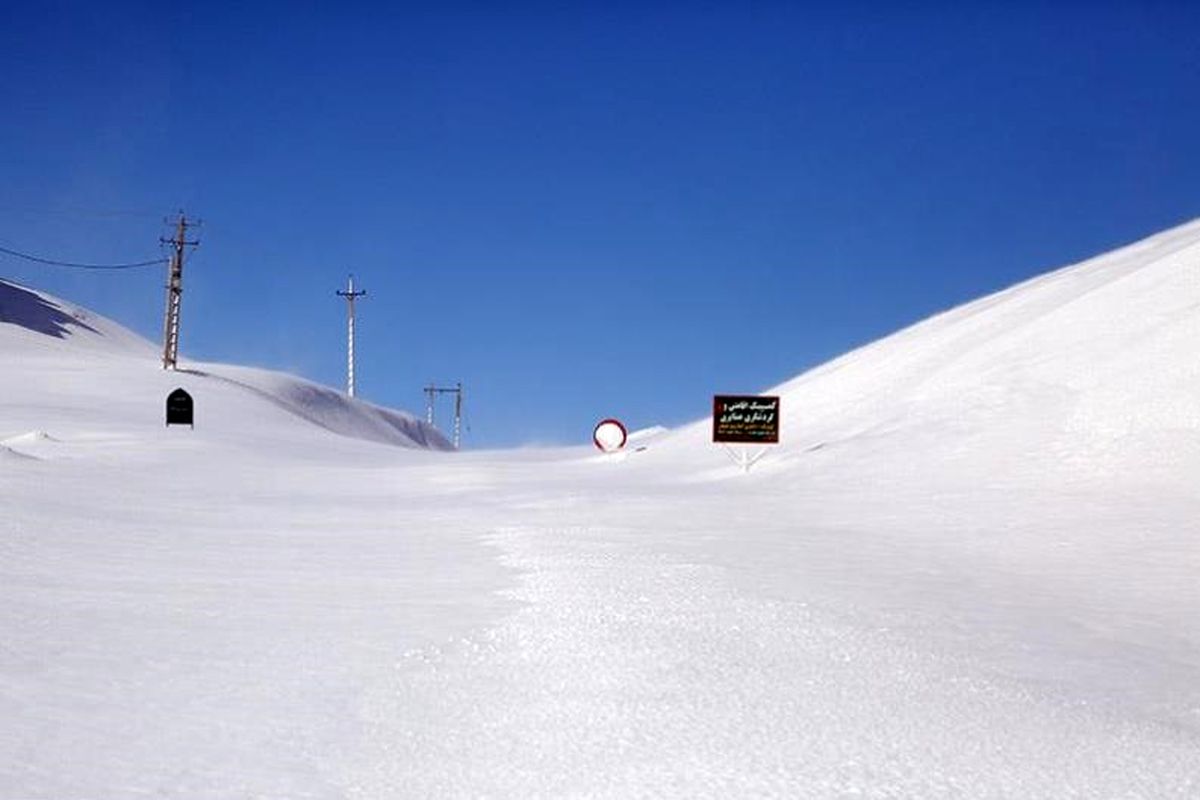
(969, 570)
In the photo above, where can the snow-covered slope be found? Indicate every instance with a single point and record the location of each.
(35, 323)
(109, 377)
(968, 570)
(1090, 370)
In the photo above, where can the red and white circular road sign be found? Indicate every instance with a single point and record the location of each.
(610, 435)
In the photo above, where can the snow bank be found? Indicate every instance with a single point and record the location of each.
(329, 409)
(8, 454)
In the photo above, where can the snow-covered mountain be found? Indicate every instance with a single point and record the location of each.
(109, 377)
(968, 570)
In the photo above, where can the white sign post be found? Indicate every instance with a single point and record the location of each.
(745, 420)
(742, 457)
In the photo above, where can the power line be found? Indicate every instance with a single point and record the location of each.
(73, 265)
(78, 212)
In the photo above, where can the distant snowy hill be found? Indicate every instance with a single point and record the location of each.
(65, 365)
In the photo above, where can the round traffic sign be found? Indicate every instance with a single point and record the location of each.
(610, 435)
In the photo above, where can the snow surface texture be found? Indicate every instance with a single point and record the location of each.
(968, 570)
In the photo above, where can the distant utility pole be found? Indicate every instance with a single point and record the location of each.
(350, 296)
(431, 393)
(175, 291)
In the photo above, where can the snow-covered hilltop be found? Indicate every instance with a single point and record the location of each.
(33, 324)
(67, 366)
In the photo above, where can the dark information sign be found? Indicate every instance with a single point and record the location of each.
(180, 410)
(746, 419)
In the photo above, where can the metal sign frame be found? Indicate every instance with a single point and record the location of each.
(745, 419)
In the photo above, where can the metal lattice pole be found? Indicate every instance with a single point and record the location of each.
(174, 293)
(458, 401)
(432, 392)
(350, 296)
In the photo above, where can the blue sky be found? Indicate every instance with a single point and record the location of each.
(584, 211)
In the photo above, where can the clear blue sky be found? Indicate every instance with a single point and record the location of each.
(584, 210)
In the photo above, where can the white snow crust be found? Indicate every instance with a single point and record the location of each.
(969, 569)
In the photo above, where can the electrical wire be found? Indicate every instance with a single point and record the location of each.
(72, 265)
(78, 212)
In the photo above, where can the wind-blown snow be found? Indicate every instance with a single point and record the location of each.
(968, 570)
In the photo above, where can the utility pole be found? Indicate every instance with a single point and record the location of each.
(431, 394)
(350, 296)
(458, 400)
(175, 291)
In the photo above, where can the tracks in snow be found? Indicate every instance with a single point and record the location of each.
(627, 675)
